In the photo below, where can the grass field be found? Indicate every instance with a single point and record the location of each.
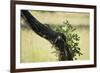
(37, 49)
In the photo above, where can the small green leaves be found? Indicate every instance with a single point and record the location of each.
(72, 39)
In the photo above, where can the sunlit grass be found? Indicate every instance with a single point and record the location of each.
(37, 49)
(84, 43)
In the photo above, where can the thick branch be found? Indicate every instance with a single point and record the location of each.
(56, 38)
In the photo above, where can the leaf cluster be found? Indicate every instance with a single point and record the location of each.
(72, 38)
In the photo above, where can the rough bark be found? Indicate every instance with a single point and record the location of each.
(56, 38)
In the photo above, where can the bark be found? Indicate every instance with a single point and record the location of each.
(56, 38)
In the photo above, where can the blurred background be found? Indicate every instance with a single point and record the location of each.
(37, 49)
